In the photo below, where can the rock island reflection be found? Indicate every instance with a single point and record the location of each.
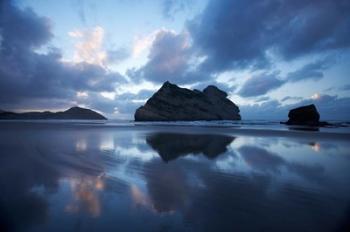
(170, 146)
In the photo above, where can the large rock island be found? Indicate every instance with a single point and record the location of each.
(172, 103)
(76, 113)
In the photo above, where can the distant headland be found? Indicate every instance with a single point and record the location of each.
(74, 113)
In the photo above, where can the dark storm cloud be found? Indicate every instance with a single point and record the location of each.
(117, 55)
(346, 87)
(291, 98)
(312, 71)
(169, 59)
(241, 33)
(22, 29)
(260, 85)
(27, 77)
(44, 76)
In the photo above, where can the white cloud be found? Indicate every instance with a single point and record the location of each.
(75, 34)
(89, 47)
(143, 43)
(82, 94)
(108, 95)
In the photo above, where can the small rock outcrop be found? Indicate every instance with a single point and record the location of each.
(172, 103)
(77, 113)
(305, 115)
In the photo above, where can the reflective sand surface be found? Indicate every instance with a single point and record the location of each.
(57, 177)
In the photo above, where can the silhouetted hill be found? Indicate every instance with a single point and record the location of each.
(72, 113)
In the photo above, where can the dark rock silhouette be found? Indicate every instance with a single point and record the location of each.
(170, 146)
(172, 103)
(72, 113)
(305, 115)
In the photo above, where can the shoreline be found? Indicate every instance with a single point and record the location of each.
(180, 129)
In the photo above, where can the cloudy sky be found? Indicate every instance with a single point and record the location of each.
(269, 55)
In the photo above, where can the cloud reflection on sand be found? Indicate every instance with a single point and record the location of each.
(316, 147)
(86, 197)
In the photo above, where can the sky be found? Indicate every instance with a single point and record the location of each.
(269, 56)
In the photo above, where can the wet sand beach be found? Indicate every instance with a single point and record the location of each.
(74, 176)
